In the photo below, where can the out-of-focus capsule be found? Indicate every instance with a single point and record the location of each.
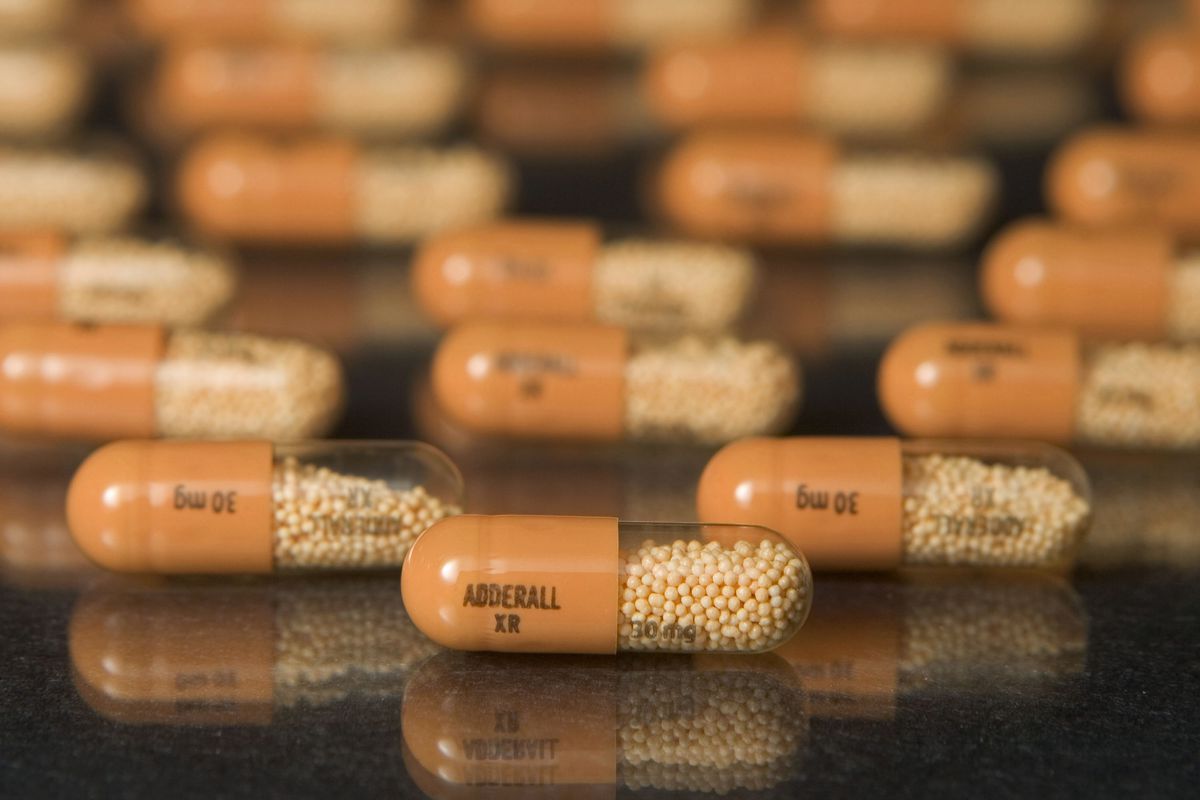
(353, 22)
(22, 19)
(1111, 284)
(591, 25)
(548, 380)
(255, 507)
(982, 380)
(43, 90)
(1159, 80)
(76, 192)
(1107, 177)
(405, 91)
(797, 188)
(335, 191)
(218, 654)
(638, 723)
(781, 78)
(1014, 28)
(881, 503)
(110, 280)
(128, 381)
(563, 271)
(532, 584)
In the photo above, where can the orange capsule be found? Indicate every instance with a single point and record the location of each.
(1159, 80)
(1122, 284)
(797, 188)
(1111, 177)
(350, 22)
(333, 190)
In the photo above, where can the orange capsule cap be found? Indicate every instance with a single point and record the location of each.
(215, 19)
(926, 20)
(540, 380)
(1103, 283)
(515, 584)
(981, 380)
(243, 188)
(529, 270)
(175, 507)
(544, 24)
(1160, 79)
(29, 274)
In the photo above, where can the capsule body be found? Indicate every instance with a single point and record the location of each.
(881, 503)
(563, 271)
(403, 91)
(116, 381)
(254, 507)
(74, 192)
(981, 380)
(595, 585)
(351, 22)
(798, 188)
(1114, 284)
(49, 92)
(547, 380)
(334, 191)
(1158, 78)
(1109, 177)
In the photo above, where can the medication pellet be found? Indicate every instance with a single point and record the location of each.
(42, 89)
(216, 654)
(334, 191)
(551, 380)
(565, 271)
(592, 25)
(596, 585)
(76, 192)
(721, 725)
(978, 379)
(1107, 177)
(110, 279)
(780, 78)
(136, 381)
(1158, 77)
(412, 90)
(858, 504)
(254, 507)
(351, 22)
(801, 188)
(1009, 28)
(1126, 283)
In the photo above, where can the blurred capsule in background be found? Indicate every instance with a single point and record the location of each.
(334, 191)
(1123, 283)
(154, 652)
(85, 191)
(111, 279)
(352, 22)
(716, 725)
(43, 88)
(599, 25)
(585, 381)
(566, 271)
(404, 91)
(1116, 176)
(1160, 77)
(20, 19)
(785, 188)
(108, 382)
(996, 381)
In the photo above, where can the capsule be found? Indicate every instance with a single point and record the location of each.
(25, 19)
(47, 276)
(352, 22)
(402, 91)
(801, 188)
(135, 381)
(1130, 283)
(1107, 177)
(879, 503)
(333, 191)
(702, 725)
(766, 78)
(1158, 79)
(256, 507)
(196, 654)
(548, 380)
(996, 381)
(602, 24)
(1009, 28)
(563, 271)
(76, 192)
(45, 89)
(482, 582)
